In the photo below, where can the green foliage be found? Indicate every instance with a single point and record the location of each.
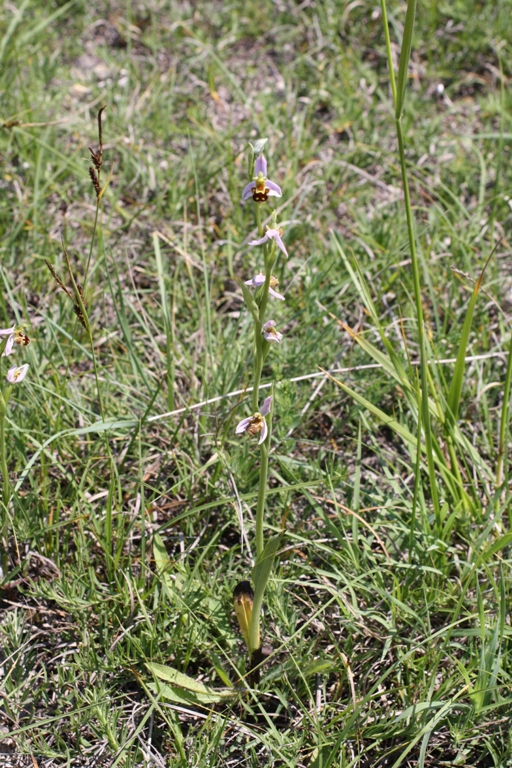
(388, 625)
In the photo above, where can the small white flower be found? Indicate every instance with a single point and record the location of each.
(258, 280)
(17, 373)
(270, 334)
(256, 423)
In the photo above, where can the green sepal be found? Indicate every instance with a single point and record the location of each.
(258, 146)
(250, 163)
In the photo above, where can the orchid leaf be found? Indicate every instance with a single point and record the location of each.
(185, 689)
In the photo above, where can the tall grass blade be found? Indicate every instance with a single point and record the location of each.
(455, 392)
(405, 55)
(167, 319)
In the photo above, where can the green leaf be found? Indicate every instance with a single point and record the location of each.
(502, 542)
(185, 689)
(455, 392)
(389, 421)
(260, 576)
(417, 709)
(319, 666)
(162, 562)
(264, 563)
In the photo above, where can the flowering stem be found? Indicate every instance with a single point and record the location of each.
(258, 220)
(262, 492)
(5, 492)
(3, 460)
(258, 365)
(259, 357)
(95, 227)
(264, 332)
(266, 284)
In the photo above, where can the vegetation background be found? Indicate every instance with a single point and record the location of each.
(389, 617)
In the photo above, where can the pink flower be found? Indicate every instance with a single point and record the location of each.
(7, 333)
(261, 188)
(17, 374)
(258, 280)
(256, 423)
(270, 334)
(271, 234)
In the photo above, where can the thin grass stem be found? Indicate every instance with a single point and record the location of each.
(501, 467)
(419, 314)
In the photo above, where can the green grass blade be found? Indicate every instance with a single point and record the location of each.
(405, 55)
(455, 392)
(169, 346)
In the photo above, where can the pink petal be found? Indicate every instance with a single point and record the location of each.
(247, 193)
(243, 425)
(260, 166)
(8, 346)
(273, 189)
(256, 281)
(264, 433)
(16, 374)
(275, 294)
(260, 241)
(265, 408)
(269, 324)
(280, 243)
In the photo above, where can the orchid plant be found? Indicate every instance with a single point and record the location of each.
(248, 601)
(9, 339)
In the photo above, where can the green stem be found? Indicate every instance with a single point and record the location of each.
(89, 257)
(258, 219)
(258, 366)
(5, 496)
(3, 460)
(83, 310)
(258, 345)
(385, 25)
(269, 262)
(501, 464)
(262, 492)
(259, 359)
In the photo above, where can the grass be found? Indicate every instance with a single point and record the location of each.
(389, 621)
